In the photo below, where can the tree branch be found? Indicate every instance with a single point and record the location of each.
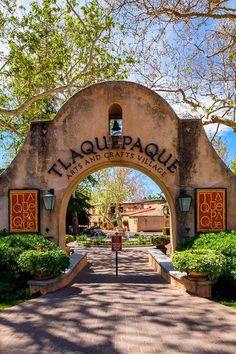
(31, 100)
(10, 127)
(216, 132)
(219, 120)
(185, 99)
(195, 14)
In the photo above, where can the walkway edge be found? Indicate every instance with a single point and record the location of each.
(164, 267)
(77, 262)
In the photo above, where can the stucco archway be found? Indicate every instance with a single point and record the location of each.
(175, 153)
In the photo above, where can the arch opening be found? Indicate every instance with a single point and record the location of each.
(171, 221)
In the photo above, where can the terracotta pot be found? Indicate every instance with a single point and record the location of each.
(196, 276)
(44, 276)
(162, 248)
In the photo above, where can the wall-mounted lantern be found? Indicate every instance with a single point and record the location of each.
(49, 199)
(184, 202)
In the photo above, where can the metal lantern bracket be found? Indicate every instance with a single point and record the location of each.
(49, 199)
(184, 201)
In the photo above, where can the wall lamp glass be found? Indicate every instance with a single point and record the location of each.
(49, 199)
(184, 202)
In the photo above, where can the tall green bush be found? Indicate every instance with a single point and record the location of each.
(9, 268)
(26, 241)
(51, 262)
(223, 242)
(210, 263)
(11, 273)
(159, 240)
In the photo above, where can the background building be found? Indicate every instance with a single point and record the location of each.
(145, 215)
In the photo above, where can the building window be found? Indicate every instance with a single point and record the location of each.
(115, 120)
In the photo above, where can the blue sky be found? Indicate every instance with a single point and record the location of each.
(230, 137)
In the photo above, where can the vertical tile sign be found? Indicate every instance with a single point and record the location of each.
(211, 209)
(24, 210)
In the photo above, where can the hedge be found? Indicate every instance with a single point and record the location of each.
(223, 242)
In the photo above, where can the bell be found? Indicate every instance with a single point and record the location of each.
(116, 126)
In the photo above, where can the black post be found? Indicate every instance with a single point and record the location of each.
(116, 264)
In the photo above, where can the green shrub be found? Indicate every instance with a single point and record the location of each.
(12, 291)
(166, 231)
(69, 238)
(87, 243)
(99, 240)
(186, 244)
(224, 242)
(140, 240)
(81, 239)
(210, 263)
(159, 240)
(44, 262)
(13, 279)
(27, 241)
(9, 268)
(4, 232)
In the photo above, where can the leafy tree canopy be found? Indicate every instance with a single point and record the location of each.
(50, 50)
(186, 51)
(158, 196)
(233, 166)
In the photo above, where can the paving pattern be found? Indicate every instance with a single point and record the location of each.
(136, 313)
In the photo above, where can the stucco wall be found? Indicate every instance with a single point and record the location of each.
(151, 223)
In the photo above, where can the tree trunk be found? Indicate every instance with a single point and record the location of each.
(75, 223)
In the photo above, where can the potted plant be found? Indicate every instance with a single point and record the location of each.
(200, 264)
(44, 264)
(160, 241)
(126, 224)
(69, 238)
(166, 231)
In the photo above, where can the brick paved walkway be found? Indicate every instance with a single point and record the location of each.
(137, 313)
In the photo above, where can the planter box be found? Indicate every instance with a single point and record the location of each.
(163, 266)
(77, 262)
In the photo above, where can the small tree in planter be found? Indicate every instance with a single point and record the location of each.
(166, 231)
(69, 238)
(210, 264)
(126, 224)
(160, 241)
(114, 222)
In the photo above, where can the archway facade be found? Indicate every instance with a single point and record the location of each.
(118, 124)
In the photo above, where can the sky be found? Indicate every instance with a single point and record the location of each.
(230, 138)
